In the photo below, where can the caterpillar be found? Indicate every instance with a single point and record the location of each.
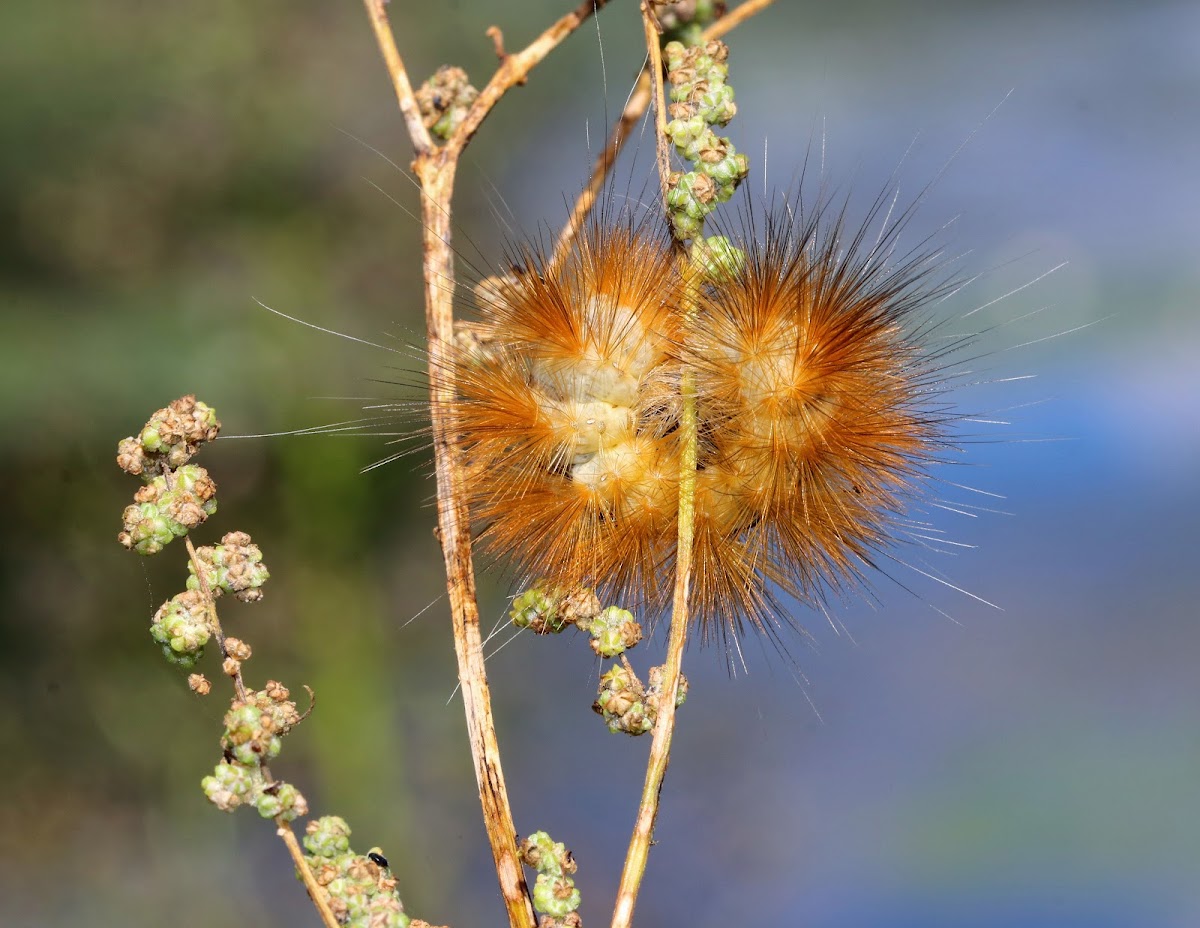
(821, 401)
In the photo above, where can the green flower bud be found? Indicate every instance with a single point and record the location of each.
(691, 194)
(173, 434)
(554, 893)
(546, 855)
(731, 169)
(725, 192)
(284, 800)
(181, 627)
(249, 737)
(673, 52)
(147, 530)
(381, 911)
(686, 134)
(337, 888)
(358, 907)
(377, 916)
(229, 786)
(685, 226)
(537, 609)
(614, 631)
(608, 643)
(188, 477)
(622, 703)
(717, 106)
(150, 438)
(718, 259)
(328, 836)
(167, 508)
(555, 896)
(617, 678)
(234, 566)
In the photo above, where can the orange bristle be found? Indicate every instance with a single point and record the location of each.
(815, 415)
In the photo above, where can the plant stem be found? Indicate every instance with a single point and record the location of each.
(435, 168)
(638, 851)
(377, 13)
(436, 175)
(662, 148)
(635, 108)
(214, 622)
(315, 892)
(735, 18)
(664, 728)
(515, 68)
(283, 828)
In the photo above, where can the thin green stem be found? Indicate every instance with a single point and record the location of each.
(664, 727)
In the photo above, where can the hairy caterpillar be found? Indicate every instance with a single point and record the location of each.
(821, 401)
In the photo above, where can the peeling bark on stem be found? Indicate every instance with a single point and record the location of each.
(436, 175)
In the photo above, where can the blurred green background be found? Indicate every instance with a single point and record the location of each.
(163, 166)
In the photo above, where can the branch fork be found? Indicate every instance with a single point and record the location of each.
(435, 167)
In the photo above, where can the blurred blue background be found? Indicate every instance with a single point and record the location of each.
(163, 165)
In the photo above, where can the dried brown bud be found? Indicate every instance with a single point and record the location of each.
(717, 150)
(326, 874)
(530, 853)
(131, 456)
(579, 607)
(199, 684)
(149, 493)
(276, 691)
(186, 512)
(169, 438)
(717, 50)
(570, 920)
(704, 188)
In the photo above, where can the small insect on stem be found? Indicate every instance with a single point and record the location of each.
(375, 857)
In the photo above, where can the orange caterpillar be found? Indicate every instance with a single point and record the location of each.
(817, 406)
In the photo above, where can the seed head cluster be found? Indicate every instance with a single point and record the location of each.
(818, 403)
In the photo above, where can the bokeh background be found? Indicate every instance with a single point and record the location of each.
(162, 166)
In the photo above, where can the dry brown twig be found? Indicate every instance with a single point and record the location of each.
(315, 893)
(635, 109)
(435, 167)
(662, 151)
